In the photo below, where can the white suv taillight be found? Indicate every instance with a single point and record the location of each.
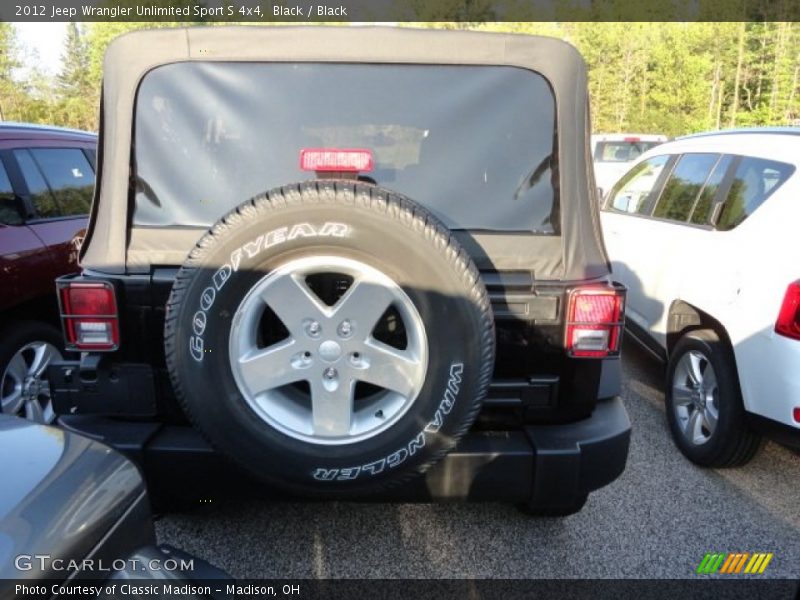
(595, 316)
(89, 315)
(788, 323)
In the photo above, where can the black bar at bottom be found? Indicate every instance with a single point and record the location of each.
(402, 589)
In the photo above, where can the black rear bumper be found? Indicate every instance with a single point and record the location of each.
(543, 466)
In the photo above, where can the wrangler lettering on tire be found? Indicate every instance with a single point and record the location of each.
(330, 337)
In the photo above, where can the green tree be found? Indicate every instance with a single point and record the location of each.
(8, 63)
(73, 80)
(650, 76)
(77, 96)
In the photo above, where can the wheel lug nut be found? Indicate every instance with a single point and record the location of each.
(330, 373)
(313, 328)
(345, 328)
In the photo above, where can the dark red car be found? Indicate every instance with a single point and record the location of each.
(46, 187)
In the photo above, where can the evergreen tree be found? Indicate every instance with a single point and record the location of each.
(8, 63)
(653, 77)
(73, 80)
(77, 97)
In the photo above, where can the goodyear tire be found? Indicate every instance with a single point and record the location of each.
(330, 337)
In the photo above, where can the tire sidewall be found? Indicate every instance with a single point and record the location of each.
(439, 291)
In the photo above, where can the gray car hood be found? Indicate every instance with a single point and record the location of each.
(60, 493)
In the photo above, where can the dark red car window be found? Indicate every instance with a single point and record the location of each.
(9, 215)
(60, 180)
(43, 201)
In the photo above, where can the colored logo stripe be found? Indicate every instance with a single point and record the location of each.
(741, 562)
(758, 563)
(710, 563)
(729, 561)
(734, 562)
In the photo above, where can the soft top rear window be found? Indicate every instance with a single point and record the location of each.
(474, 144)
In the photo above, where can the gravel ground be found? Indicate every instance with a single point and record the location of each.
(656, 521)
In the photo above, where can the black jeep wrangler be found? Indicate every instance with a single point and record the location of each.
(351, 262)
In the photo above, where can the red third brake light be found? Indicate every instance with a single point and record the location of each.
(594, 322)
(89, 315)
(336, 160)
(788, 323)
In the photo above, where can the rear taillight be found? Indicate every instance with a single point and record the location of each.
(595, 318)
(89, 315)
(788, 323)
(327, 160)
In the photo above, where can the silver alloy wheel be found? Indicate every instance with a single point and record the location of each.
(24, 389)
(331, 348)
(696, 397)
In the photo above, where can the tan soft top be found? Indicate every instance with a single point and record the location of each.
(130, 57)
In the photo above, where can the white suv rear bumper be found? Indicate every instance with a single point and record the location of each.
(769, 372)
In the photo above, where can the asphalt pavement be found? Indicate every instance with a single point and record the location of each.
(656, 521)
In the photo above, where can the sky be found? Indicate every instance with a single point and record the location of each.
(46, 40)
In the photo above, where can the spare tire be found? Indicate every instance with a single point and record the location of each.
(331, 337)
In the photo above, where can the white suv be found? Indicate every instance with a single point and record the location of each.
(703, 232)
(613, 153)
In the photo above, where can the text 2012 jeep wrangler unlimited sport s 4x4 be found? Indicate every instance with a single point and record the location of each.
(348, 257)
